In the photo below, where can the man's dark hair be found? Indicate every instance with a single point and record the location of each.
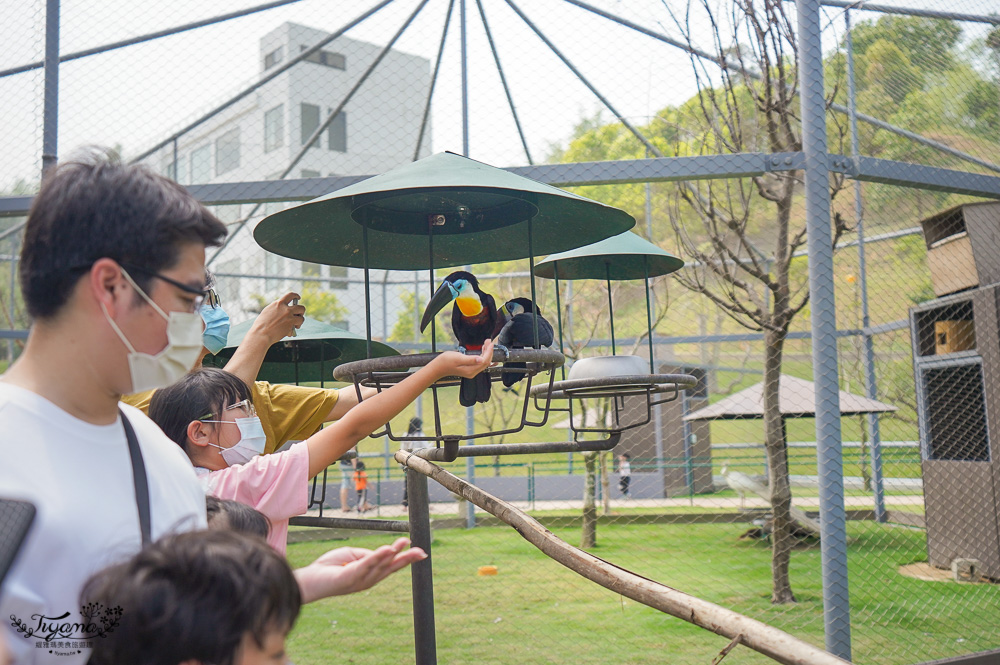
(98, 207)
(200, 392)
(236, 516)
(193, 596)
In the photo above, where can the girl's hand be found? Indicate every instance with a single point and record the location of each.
(453, 363)
(352, 569)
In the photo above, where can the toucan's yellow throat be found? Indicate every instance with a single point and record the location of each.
(469, 305)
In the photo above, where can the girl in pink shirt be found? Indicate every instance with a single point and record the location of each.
(209, 413)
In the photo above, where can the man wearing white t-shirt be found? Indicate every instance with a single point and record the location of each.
(112, 271)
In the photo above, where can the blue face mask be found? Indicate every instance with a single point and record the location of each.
(216, 328)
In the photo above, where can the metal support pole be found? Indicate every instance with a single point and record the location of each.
(50, 108)
(465, 80)
(611, 307)
(470, 467)
(177, 166)
(470, 429)
(385, 338)
(148, 37)
(686, 433)
(871, 387)
(421, 572)
(503, 82)
(368, 295)
(434, 79)
(833, 534)
(649, 313)
(584, 80)
(569, 326)
(13, 288)
(419, 404)
(649, 208)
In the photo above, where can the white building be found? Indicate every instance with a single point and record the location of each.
(258, 137)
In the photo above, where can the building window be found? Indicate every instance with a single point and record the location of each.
(274, 128)
(272, 58)
(227, 151)
(336, 133)
(312, 270)
(333, 272)
(326, 58)
(228, 214)
(176, 170)
(201, 164)
(310, 122)
(228, 288)
(273, 272)
(339, 284)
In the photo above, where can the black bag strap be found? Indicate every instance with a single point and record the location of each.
(139, 479)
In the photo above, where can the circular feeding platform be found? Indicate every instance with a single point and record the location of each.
(382, 372)
(614, 386)
(614, 378)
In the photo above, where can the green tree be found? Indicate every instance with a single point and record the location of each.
(741, 234)
(406, 324)
(321, 305)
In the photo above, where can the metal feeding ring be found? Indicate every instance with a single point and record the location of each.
(614, 386)
(393, 369)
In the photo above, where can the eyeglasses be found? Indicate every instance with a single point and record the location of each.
(212, 298)
(246, 405)
(201, 295)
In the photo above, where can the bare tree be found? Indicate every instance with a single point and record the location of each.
(741, 234)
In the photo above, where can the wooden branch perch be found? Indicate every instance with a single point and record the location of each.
(760, 637)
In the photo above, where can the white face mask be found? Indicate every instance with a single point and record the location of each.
(251, 441)
(150, 372)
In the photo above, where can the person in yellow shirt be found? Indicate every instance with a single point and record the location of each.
(287, 413)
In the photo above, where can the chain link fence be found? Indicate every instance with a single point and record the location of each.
(687, 115)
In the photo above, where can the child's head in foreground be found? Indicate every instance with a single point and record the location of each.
(236, 516)
(207, 597)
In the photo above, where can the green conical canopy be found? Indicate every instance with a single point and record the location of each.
(624, 256)
(310, 356)
(476, 213)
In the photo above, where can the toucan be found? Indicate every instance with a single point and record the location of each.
(518, 332)
(474, 319)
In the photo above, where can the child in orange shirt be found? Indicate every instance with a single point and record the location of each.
(361, 486)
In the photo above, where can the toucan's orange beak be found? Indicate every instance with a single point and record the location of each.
(469, 305)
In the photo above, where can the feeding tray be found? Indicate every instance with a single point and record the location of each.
(613, 376)
(310, 356)
(469, 211)
(382, 373)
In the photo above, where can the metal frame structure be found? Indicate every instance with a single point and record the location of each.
(814, 161)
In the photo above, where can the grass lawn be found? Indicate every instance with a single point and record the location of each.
(535, 611)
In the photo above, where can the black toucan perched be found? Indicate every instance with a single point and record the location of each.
(474, 319)
(518, 332)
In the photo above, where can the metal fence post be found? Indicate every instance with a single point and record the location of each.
(871, 387)
(833, 536)
(50, 120)
(421, 572)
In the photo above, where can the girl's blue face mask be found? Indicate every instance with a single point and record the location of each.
(216, 328)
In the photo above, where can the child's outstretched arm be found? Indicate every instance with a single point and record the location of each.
(328, 445)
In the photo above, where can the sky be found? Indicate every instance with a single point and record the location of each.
(138, 95)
